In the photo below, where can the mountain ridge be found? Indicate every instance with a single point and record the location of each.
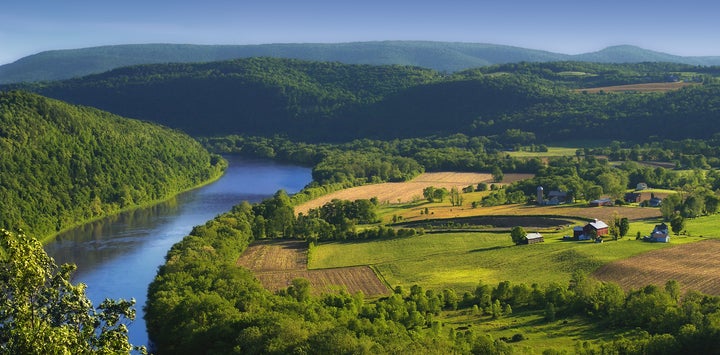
(441, 56)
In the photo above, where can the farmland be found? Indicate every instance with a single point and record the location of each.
(694, 265)
(649, 87)
(459, 260)
(402, 192)
(276, 264)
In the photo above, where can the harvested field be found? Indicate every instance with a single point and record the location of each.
(650, 87)
(696, 266)
(351, 279)
(401, 192)
(276, 264)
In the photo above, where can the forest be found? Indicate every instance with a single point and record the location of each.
(321, 101)
(62, 165)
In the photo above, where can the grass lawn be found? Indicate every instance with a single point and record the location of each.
(707, 226)
(460, 260)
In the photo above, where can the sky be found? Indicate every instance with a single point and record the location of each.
(687, 28)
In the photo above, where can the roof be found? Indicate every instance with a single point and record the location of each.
(557, 193)
(577, 228)
(598, 224)
(533, 236)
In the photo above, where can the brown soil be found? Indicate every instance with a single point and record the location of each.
(650, 87)
(402, 192)
(277, 263)
(696, 266)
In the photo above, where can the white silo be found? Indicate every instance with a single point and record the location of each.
(540, 195)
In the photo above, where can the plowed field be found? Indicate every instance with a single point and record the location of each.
(395, 192)
(649, 87)
(276, 264)
(696, 266)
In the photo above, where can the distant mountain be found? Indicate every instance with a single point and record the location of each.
(632, 54)
(441, 56)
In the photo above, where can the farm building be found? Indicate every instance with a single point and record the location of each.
(632, 197)
(655, 202)
(532, 238)
(600, 227)
(601, 202)
(557, 197)
(554, 197)
(660, 234)
(597, 228)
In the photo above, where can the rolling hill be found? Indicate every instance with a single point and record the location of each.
(62, 164)
(440, 56)
(330, 101)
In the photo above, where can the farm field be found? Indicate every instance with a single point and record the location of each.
(696, 266)
(276, 264)
(461, 260)
(444, 210)
(403, 192)
(649, 87)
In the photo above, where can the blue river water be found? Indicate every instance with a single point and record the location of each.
(118, 257)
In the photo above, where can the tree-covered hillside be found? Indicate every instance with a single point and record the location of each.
(62, 164)
(441, 56)
(334, 102)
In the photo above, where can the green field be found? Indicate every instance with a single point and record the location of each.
(460, 260)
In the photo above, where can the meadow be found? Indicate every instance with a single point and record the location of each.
(460, 260)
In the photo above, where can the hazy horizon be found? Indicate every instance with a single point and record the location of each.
(561, 26)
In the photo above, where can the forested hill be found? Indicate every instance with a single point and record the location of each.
(62, 164)
(323, 101)
(441, 56)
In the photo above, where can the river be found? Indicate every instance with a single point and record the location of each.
(118, 257)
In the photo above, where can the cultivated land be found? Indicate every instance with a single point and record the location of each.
(696, 266)
(403, 192)
(277, 263)
(650, 87)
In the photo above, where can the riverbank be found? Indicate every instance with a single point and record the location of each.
(219, 172)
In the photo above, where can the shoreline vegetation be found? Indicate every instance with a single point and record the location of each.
(219, 174)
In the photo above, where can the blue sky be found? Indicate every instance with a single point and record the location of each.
(684, 28)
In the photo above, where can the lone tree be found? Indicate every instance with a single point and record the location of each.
(677, 223)
(518, 235)
(41, 312)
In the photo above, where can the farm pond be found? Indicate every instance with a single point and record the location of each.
(118, 257)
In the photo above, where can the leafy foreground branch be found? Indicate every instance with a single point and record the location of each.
(42, 312)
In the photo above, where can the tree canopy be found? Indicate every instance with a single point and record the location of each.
(63, 164)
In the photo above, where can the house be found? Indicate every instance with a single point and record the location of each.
(641, 186)
(532, 238)
(632, 197)
(660, 234)
(655, 202)
(601, 202)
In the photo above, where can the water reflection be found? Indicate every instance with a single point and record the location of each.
(117, 257)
